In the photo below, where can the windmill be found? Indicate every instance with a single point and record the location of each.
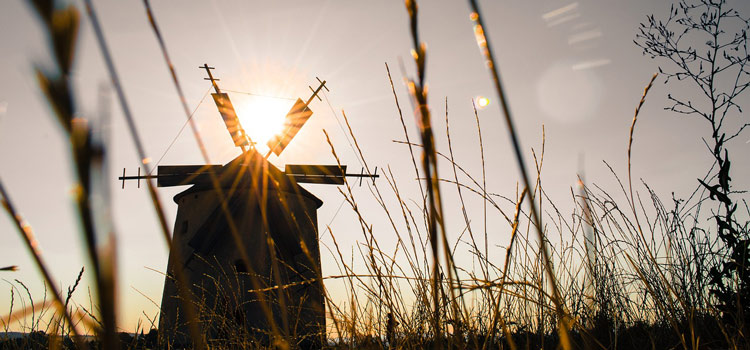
(248, 238)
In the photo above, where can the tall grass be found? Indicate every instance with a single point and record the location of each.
(623, 270)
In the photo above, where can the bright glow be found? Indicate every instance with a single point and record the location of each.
(569, 95)
(482, 102)
(262, 117)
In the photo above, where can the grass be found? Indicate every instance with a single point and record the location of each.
(623, 270)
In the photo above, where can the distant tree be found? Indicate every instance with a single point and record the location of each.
(704, 46)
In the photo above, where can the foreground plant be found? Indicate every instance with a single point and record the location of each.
(704, 45)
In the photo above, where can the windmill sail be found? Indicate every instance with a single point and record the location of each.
(317, 174)
(230, 119)
(180, 175)
(297, 116)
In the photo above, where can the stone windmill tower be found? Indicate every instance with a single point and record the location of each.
(247, 238)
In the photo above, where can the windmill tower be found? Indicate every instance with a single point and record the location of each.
(248, 241)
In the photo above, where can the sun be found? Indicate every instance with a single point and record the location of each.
(262, 117)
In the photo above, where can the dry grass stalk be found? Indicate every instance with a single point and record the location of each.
(486, 50)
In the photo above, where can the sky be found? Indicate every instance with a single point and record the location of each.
(568, 66)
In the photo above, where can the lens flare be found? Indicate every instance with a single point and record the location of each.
(482, 102)
(262, 117)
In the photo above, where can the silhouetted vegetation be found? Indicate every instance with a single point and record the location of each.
(622, 271)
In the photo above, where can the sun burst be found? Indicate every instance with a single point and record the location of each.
(262, 117)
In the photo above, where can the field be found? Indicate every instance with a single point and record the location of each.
(617, 267)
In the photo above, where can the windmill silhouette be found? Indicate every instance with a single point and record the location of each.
(248, 238)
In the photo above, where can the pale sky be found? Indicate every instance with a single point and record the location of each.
(570, 66)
